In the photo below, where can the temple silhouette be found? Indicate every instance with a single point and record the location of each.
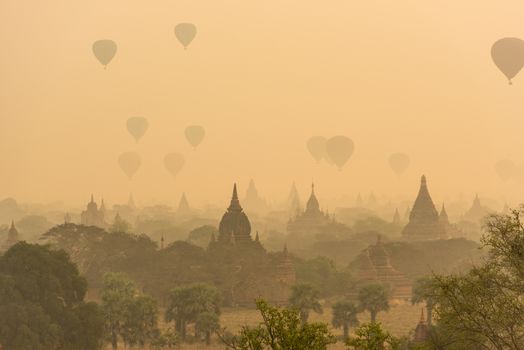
(93, 216)
(12, 238)
(424, 222)
(310, 221)
(375, 267)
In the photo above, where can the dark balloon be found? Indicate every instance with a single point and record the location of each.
(137, 127)
(104, 51)
(174, 162)
(339, 149)
(130, 163)
(316, 145)
(508, 55)
(185, 33)
(195, 134)
(399, 162)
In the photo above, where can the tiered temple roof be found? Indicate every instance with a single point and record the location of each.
(422, 330)
(376, 268)
(12, 237)
(311, 219)
(234, 226)
(93, 216)
(423, 219)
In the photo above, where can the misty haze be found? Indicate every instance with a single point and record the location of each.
(246, 175)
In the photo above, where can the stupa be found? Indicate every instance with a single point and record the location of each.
(423, 219)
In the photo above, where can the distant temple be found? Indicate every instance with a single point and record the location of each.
(12, 238)
(396, 217)
(234, 226)
(285, 278)
(375, 267)
(311, 220)
(93, 216)
(253, 202)
(477, 213)
(422, 330)
(184, 210)
(424, 221)
(293, 201)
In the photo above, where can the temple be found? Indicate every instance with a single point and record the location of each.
(396, 217)
(375, 267)
(183, 210)
(311, 220)
(423, 219)
(234, 226)
(253, 202)
(293, 201)
(12, 238)
(477, 213)
(421, 331)
(93, 216)
(285, 277)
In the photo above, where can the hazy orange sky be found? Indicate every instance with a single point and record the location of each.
(261, 76)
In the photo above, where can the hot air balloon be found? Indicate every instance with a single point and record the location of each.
(508, 56)
(506, 169)
(104, 51)
(195, 134)
(137, 127)
(316, 145)
(339, 149)
(185, 33)
(174, 162)
(399, 162)
(129, 162)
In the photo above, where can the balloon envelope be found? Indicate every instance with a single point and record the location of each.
(174, 162)
(104, 51)
(339, 149)
(137, 127)
(508, 56)
(185, 33)
(129, 162)
(506, 169)
(399, 162)
(316, 145)
(195, 134)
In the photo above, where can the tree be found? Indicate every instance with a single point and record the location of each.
(166, 340)
(305, 299)
(206, 323)
(373, 298)
(188, 302)
(371, 336)
(423, 292)
(140, 325)
(281, 329)
(117, 295)
(484, 308)
(344, 315)
(42, 302)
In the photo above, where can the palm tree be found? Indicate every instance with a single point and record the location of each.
(373, 298)
(344, 315)
(305, 299)
(423, 293)
(206, 323)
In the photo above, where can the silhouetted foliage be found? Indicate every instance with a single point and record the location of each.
(41, 302)
(281, 329)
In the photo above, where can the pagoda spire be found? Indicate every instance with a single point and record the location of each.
(235, 203)
(92, 198)
(257, 239)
